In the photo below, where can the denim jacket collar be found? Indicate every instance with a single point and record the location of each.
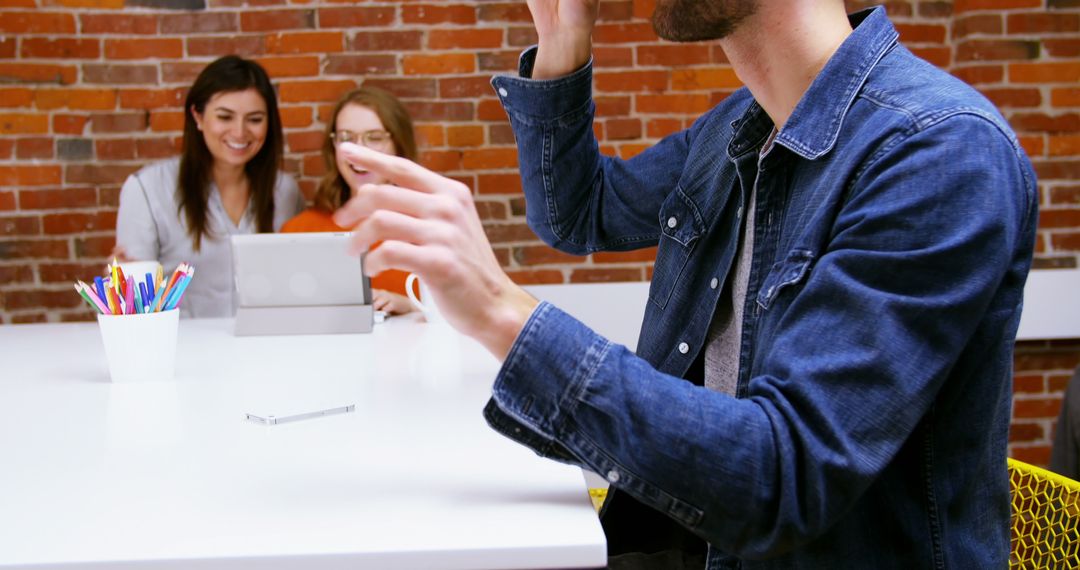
(814, 125)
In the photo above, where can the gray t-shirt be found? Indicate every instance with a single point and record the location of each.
(149, 226)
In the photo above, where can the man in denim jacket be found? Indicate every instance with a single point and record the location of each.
(823, 377)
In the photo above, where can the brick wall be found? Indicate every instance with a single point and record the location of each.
(90, 90)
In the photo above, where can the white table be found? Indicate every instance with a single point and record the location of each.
(172, 475)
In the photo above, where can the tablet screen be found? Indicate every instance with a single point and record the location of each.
(297, 269)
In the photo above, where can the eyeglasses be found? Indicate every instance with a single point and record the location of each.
(371, 139)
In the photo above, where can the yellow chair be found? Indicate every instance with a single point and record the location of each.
(1045, 518)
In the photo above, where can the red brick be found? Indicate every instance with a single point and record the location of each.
(710, 78)
(464, 87)
(1029, 383)
(1061, 195)
(1047, 407)
(1065, 97)
(152, 98)
(640, 255)
(442, 64)
(34, 147)
(67, 48)
(294, 91)
(438, 14)
(79, 222)
(80, 99)
(440, 111)
(7, 47)
(428, 135)
(28, 318)
(1057, 170)
(996, 50)
(986, 24)
(921, 33)
(57, 198)
(606, 275)
(671, 55)
(37, 73)
(33, 248)
(69, 124)
(115, 149)
(37, 23)
(536, 277)
(468, 39)
(1061, 47)
(441, 161)
(23, 123)
(118, 24)
(622, 129)
(41, 299)
(465, 135)
(161, 147)
(276, 67)
(632, 81)
(295, 116)
(489, 210)
(7, 201)
(521, 37)
(1066, 241)
(362, 64)
(610, 106)
(12, 274)
(542, 255)
(305, 42)
(29, 175)
(505, 12)
(1043, 23)
(506, 61)
(272, 20)
(667, 104)
(1064, 145)
(501, 134)
(97, 174)
(170, 48)
(1028, 122)
(16, 97)
(20, 226)
(117, 122)
(406, 88)
(1057, 382)
(1014, 97)
(623, 33)
(968, 5)
(313, 165)
(1033, 145)
(304, 141)
(1026, 432)
(113, 74)
(1045, 72)
(165, 121)
(240, 45)
(508, 233)
(614, 10)
(939, 56)
(199, 22)
(495, 183)
(660, 128)
(628, 151)
(980, 74)
(68, 272)
(364, 40)
(356, 17)
(183, 72)
(487, 159)
(94, 247)
(613, 57)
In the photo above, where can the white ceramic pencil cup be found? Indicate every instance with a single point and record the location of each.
(428, 307)
(140, 347)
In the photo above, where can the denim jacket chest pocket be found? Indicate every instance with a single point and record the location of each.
(785, 274)
(680, 227)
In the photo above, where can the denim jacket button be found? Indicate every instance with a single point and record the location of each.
(502, 92)
(613, 476)
(672, 222)
(714, 283)
(684, 348)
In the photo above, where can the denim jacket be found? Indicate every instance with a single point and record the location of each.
(894, 229)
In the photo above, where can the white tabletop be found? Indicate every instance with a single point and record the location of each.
(172, 475)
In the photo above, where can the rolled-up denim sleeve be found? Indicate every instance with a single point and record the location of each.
(581, 201)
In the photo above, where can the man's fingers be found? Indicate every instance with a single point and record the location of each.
(372, 197)
(399, 171)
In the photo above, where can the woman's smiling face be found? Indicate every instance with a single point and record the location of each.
(234, 125)
(361, 125)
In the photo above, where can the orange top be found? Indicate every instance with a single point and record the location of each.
(312, 220)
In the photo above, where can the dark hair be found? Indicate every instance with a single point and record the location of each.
(223, 75)
(333, 191)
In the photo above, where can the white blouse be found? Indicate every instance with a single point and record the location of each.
(149, 226)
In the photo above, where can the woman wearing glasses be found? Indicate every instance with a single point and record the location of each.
(226, 181)
(376, 119)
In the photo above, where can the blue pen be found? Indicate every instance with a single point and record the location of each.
(149, 288)
(100, 286)
(145, 297)
(178, 291)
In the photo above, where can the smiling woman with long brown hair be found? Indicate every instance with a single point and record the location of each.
(227, 181)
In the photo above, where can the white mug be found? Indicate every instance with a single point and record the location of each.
(428, 307)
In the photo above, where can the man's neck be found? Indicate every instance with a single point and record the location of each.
(779, 51)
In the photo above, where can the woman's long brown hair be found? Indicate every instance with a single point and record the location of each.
(333, 191)
(224, 75)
